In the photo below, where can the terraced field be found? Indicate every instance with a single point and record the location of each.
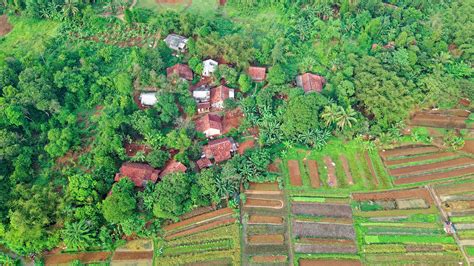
(265, 227)
(322, 231)
(207, 238)
(402, 227)
(424, 163)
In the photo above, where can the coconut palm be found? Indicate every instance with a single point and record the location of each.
(345, 117)
(69, 9)
(329, 114)
(77, 235)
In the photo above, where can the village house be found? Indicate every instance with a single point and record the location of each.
(202, 94)
(203, 163)
(148, 98)
(181, 70)
(257, 74)
(203, 107)
(209, 124)
(138, 173)
(176, 42)
(220, 149)
(219, 95)
(310, 82)
(209, 67)
(173, 167)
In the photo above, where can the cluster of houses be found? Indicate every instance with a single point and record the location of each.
(208, 99)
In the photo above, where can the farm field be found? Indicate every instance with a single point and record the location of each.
(451, 118)
(337, 169)
(323, 231)
(414, 164)
(265, 234)
(212, 237)
(403, 226)
(457, 201)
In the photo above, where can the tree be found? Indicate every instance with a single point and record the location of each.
(172, 196)
(245, 83)
(345, 117)
(82, 188)
(206, 181)
(69, 9)
(121, 204)
(78, 235)
(276, 75)
(157, 158)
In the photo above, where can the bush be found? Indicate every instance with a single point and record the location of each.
(158, 158)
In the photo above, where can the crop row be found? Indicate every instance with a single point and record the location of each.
(385, 230)
(193, 248)
(369, 239)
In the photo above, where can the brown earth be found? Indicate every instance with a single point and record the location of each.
(332, 179)
(264, 186)
(347, 171)
(420, 158)
(468, 146)
(326, 241)
(275, 239)
(323, 230)
(321, 209)
(295, 174)
(263, 203)
(201, 228)
(269, 258)
(338, 220)
(435, 176)
(132, 148)
(328, 262)
(449, 112)
(275, 166)
(196, 212)
(413, 193)
(200, 218)
(405, 151)
(141, 255)
(424, 248)
(312, 166)
(5, 26)
(248, 144)
(438, 120)
(218, 262)
(85, 257)
(261, 219)
(232, 120)
(455, 189)
(373, 178)
(325, 249)
(418, 169)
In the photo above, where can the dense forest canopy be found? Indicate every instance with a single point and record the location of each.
(66, 112)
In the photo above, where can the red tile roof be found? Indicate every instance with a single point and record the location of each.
(137, 172)
(219, 94)
(173, 167)
(183, 71)
(209, 121)
(257, 73)
(310, 82)
(219, 149)
(203, 163)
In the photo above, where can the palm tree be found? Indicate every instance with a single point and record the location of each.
(69, 9)
(77, 235)
(329, 114)
(345, 117)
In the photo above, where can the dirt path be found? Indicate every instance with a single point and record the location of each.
(5, 26)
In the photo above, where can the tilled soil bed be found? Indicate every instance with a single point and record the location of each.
(420, 158)
(435, 176)
(347, 170)
(261, 219)
(295, 174)
(322, 209)
(269, 259)
(424, 248)
(312, 229)
(85, 257)
(248, 144)
(313, 173)
(326, 241)
(468, 146)
(266, 239)
(395, 194)
(201, 228)
(141, 255)
(312, 248)
(373, 178)
(332, 179)
(418, 169)
(328, 262)
(263, 203)
(408, 150)
(200, 219)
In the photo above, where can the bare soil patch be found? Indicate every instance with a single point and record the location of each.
(418, 169)
(276, 239)
(5, 26)
(412, 193)
(269, 259)
(440, 119)
(326, 262)
(435, 176)
(347, 171)
(468, 146)
(232, 120)
(406, 151)
(312, 229)
(85, 257)
(196, 212)
(273, 186)
(262, 219)
(332, 179)
(420, 158)
(200, 219)
(201, 228)
(142, 255)
(454, 189)
(263, 203)
(295, 174)
(321, 209)
(275, 166)
(248, 144)
(312, 166)
(424, 248)
(326, 241)
(133, 148)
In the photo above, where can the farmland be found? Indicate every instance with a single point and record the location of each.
(402, 224)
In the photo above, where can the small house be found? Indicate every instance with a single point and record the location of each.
(220, 149)
(202, 94)
(209, 67)
(176, 42)
(203, 163)
(181, 70)
(203, 107)
(138, 173)
(173, 167)
(219, 95)
(257, 74)
(148, 98)
(310, 82)
(209, 124)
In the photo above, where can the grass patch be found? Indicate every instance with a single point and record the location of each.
(309, 199)
(462, 219)
(408, 239)
(470, 251)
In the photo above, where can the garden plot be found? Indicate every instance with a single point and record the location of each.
(453, 118)
(402, 224)
(295, 174)
(264, 224)
(332, 262)
(312, 168)
(216, 246)
(321, 209)
(83, 257)
(417, 164)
